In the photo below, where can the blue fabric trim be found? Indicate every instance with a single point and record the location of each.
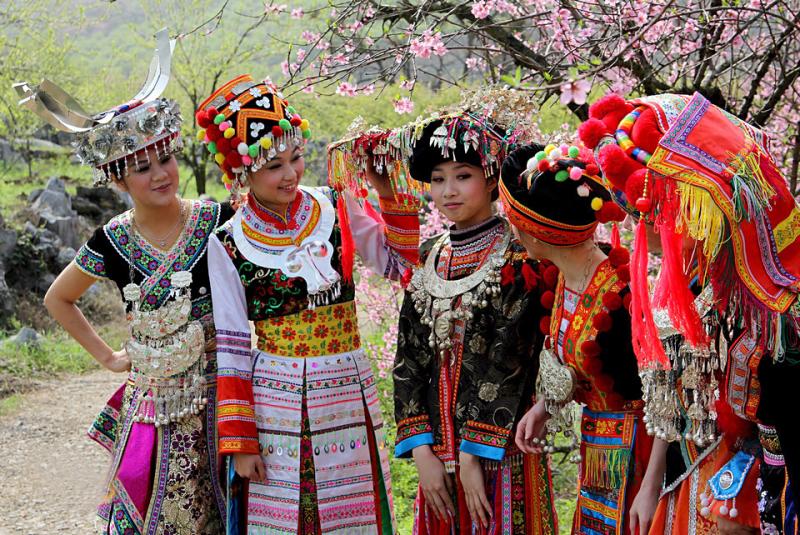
(404, 447)
(482, 450)
(737, 469)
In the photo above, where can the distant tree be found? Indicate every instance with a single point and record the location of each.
(31, 47)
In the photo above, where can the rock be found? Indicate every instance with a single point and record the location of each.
(55, 202)
(7, 300)
(66, 228)
(8, 240)
(87, 208)
(65, 256)
(54, 183)
(33, 195)
(26, 336)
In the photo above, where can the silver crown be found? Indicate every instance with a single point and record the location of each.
(106, 140)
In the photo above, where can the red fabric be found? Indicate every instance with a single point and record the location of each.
(646, 343)
(348, 246)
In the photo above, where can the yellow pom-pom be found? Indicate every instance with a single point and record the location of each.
(597, 203)
(201, 135)
(550, 148)
(304, 124)
(225, 179)
(220, 158)
(229, 133)
(266, 143)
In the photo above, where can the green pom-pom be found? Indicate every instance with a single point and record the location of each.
(574, 152)
(307, 134)
(540, 156)
(290, 110)
(252, 150)
(562, 175)
(219, 118)
(212, 148)
(285, 125)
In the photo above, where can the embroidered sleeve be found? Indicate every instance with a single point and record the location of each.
(91, 256)
(512, 366)
(388, 243)
(401, 218)
(236, 422)
(413, 368)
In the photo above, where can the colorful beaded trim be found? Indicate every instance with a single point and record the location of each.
(623, 135)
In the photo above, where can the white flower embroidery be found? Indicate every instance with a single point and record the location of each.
(255, 128)
(235, 105)
(256, 92)
(264, 102)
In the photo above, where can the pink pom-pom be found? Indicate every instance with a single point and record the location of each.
(575, 173)
(224, 125)
(247, 160)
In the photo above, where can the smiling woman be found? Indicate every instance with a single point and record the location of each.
(299, 415)
(164, 476)
(465, 359)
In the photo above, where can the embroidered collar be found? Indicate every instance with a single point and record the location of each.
(157, 266)
(466, 236)
(305, 253)
(287, 221)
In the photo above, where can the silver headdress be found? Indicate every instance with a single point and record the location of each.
(107, 140)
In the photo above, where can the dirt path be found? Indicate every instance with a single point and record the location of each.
(51, 474)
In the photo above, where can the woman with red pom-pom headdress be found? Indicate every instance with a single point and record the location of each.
(555, 199)
(709, 198)
(298, 415)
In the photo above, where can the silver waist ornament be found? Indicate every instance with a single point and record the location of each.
(442, 302)
(555, 384)
(166, 350)
(688, 392)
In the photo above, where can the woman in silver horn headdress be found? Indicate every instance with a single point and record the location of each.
(159, 426)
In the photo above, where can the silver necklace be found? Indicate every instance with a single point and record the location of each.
(163, 240)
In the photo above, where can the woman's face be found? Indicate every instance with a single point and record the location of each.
(151, 181)
(462, 193)
(275, 183)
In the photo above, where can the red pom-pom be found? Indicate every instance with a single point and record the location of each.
(604, 383)
(544, 325)
(212, 112)
(406, 278)
(296, 120)
(592, 366)
(643, 204)
(214, 134)
(610, 109)
(609, 212)
(592, 169)
(634, 186)
(646, 132)
(591, 349)
(547, 299)
(277, 131)
(223, 145)
(233, 159)
(618, 256)
(612, 301)
(202, 119)
(602, 322)
(624, 274)
(507, 275)
(626, 301)
(550, 277)
(592, 131)
(617, 166)
(543, 165)
(235, 140)
(530, 277)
